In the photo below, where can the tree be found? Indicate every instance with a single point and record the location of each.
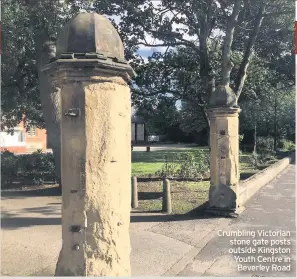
(208, 47)
(28, 31)
(202, 29)
(272, 109)
(29, 34)
(160, 116)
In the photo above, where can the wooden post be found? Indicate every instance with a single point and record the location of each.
(148, 149)
(136, 132)
(134, 192)
(166, 205)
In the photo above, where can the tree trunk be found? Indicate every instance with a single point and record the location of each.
(241, 76)
(226, 52)
(275, 125)
(45, 49)
(255, 139)
(50, 98)
(205, 116)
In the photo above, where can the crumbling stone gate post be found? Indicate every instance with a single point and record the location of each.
(223, 113)
(93, 77)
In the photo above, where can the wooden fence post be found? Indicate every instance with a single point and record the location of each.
(134, 192)
(166, 203)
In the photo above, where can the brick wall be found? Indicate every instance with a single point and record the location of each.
(32, 140)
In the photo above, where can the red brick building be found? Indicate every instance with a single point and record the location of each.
(23, 140)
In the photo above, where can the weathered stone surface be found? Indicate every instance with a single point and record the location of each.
(96, 148)
(224, 161)
(223, 96)
(90, 33)
(96, 175)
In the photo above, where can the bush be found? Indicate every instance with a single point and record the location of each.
(258, 159)
(37, 167)
(286, 145)
(265, 144)
(9, 167)
(186, 166)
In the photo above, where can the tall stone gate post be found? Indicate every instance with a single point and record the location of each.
(223, 115)
(93, 77)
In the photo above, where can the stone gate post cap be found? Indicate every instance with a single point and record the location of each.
(90, 33)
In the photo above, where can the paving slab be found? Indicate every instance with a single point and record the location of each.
(272, 208)
(31, 239)
(191, 232)
(153, 254)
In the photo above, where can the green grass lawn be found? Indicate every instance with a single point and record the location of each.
(148, 163)
(185, 195)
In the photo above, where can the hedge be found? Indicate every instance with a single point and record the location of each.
(36, 168)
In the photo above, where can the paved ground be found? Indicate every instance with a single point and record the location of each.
(272, 208)
(161, 245)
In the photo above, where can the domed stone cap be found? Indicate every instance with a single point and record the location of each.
(223, 96)
(90, 33)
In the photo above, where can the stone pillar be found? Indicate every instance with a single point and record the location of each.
(93, 78)
(96, 170)
(224, 159)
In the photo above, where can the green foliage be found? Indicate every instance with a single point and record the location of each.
(176, 69)
(37, 167)
(9, 167)
(170, 166)
(188, 165)
(286, 145)
(159, 115)
(265, 144)
(273, 113)
(264, 158)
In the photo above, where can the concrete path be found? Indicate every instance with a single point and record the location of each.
(272, 208)
(161, 245)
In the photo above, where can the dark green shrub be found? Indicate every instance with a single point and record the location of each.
(9, 167)
(170, 167)
(194, 165)
(265, 144)
(286, 145)
(258, 159)
(240, 137)
(186, 166)
(38, 166)
(34, 168)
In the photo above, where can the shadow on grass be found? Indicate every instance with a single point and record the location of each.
(149, 195)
